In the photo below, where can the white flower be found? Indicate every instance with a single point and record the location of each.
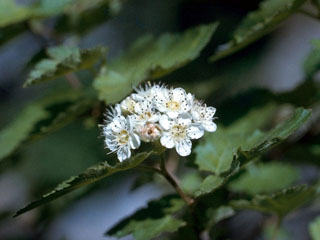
(120, 137)
(113, 112)
(178, 133)
(149, 132)
(203, 116)
(145, 113)
(147, 93)
(173, 102)
(128, 105)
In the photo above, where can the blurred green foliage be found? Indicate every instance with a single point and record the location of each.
(235, 168)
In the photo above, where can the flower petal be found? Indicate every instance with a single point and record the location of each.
(183, 147)
(165, 123)
(134, 141)
(172, 114)
(209, 126)
(167, 141)
(154, 118)
(195, 132)
(124, 153)
(179, 94)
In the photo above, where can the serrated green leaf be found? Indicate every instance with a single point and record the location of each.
(215, 152)
(39, 118)
(311, 64)
(213, 182)
(150, 58)
(91, 175)
(257, 24)
(314, 229)
(265, 178)
(63, 60)
(249, 145)
(151, 221)
(12, 136)
(280, 203)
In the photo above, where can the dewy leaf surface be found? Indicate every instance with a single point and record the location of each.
(257, 24)
(280, 203)
(89, 176)
(150, 58)
(63, 60)
(231, 147)
(151, 221)
(265, 178)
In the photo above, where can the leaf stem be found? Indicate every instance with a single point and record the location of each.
(172, 181)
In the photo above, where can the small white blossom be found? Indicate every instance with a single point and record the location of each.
(128, 105)
(155, 112)
(147, 93)
(203, 116)
(178, 133)
(173, 102)
(145, 113)
(120, 137)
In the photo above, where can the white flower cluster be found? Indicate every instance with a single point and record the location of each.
(155, 112)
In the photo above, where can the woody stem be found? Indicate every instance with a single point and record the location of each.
(172, 181)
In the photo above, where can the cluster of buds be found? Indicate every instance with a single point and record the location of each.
(156, 112)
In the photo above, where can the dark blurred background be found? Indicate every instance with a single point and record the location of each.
(274, 62)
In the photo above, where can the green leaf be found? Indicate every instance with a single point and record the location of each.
(76, 13)
(219, 214)
(213, 182)
(83, 15)
(150, 58)
(40, 117)
(272, 231)
(311, 64)
(220, 148)
(280, 203)
(314, 229)
(17, 131)
(151, 221)
(63, 60)
(12, 12)
(190, 182)
(91, 175)
(215, 152)
(265, 178)
(257, 24)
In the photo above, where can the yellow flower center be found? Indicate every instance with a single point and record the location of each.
(173, 105)
(123, 137)
(179, 132)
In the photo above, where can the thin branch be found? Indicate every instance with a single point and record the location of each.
(73, 80)
(172, 181)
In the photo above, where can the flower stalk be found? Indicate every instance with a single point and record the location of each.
(172, 181)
